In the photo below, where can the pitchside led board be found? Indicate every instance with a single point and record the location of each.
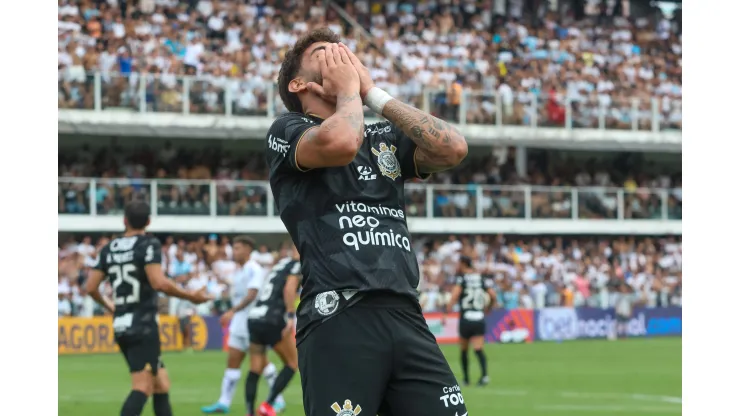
(95, 335)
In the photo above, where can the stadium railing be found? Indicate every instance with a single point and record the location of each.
(577, 209)
(184, 95)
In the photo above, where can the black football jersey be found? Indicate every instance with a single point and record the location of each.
(348, 222)
(270, 305)
(123, 260)
(473, 297)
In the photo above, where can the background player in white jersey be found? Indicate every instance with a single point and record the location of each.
(245, 284)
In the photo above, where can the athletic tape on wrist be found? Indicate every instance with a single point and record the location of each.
(376, 99)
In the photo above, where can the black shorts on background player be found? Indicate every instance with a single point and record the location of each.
(470, 329)
(267, 316)
(363, 342)
(135, 324)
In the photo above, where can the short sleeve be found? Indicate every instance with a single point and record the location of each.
(459, 280)
(296, 271)
(282, 141)
(255, 280)
(151, 251)
(101, 261)
(407, 155)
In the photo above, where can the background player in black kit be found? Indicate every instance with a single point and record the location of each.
(363, 343)
(470, 293)
(271, 325)
(133, 264)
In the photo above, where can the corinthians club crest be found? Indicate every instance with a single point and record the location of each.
(346, 410)
(387, 161)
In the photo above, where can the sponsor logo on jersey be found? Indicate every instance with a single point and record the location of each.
(451, 396)
(278, 145)
(364, 227)
(347, 409)
(326, 303)
(387, 161)
(366, 174)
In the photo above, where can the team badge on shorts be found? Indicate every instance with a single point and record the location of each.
(346, 410)
(326, 303)
(387, 161)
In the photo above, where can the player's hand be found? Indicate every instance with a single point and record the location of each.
(366, 83)
(339, 75)
(200, 296)
(227, 317)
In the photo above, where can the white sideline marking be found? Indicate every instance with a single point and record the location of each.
(607, 408)
(575, 394)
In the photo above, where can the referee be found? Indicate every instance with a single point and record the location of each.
(363, 343)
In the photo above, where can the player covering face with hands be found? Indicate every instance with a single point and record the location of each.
(363, 343)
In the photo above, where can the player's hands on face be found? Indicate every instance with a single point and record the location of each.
(339, 75)
(226, 317)
(366, 82)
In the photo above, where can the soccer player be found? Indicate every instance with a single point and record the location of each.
(245, 284)
(470, 291)
(133, 264)
(363, 342)
(271, 325)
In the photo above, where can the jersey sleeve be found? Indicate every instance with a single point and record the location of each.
(488, 282)
(459, 280)
(100, 262)
(255, 280)
(295, 270)
(282, 141)
(407, 155)
(150, 252)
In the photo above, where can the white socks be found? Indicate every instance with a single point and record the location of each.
(228, 385)
(270, 374)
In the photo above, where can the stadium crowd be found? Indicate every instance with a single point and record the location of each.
(234, 49)
(121, 172)
(529, 272)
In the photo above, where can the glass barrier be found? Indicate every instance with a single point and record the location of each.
(74, 196)
(182, 197)
(240, 198)
(112, 195)
(120, 91)
(454, 201)
(168, 93)
(416, 200)
(645, 204)
(551, 202)
(503, 202)
(106, 196)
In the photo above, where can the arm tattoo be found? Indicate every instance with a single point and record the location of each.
(436, 139)
(349, 110)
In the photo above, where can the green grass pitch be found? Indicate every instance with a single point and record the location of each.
(632, 377)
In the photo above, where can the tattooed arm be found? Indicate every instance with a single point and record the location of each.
(337, 140)
(440, 146)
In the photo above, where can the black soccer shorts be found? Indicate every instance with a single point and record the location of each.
(469, 329)
(378, 357)
(265, 333)
(142, 352)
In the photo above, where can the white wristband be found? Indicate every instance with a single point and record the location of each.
(376, 99)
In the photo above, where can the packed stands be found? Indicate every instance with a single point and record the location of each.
(617, 73)
(529, 272)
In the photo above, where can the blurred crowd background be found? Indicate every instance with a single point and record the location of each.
(529, 272)
(615, 64)
(537, 56)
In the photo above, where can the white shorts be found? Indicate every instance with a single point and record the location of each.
(239, 341)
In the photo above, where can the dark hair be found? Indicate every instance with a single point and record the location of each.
(137, 214)
(292, 64)
(245, 240)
